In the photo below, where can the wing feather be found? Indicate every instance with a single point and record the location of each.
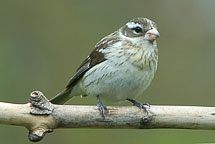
(95, 57)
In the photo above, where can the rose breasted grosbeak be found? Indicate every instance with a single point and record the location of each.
(121, 66)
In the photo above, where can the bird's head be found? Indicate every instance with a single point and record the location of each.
(140, 29)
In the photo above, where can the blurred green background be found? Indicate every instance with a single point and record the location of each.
(42, 42)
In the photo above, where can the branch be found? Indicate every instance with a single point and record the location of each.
(39, 116)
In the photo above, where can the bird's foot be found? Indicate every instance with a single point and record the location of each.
(101, 107)
(140, 105)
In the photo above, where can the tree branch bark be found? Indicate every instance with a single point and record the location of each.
(39, 116)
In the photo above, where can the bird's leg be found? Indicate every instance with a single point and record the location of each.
(140, 105)
(101, 107)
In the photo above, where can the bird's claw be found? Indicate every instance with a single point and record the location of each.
(140, 105)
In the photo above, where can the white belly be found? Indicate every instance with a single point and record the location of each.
(115, 82)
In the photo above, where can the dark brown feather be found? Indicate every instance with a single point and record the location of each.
(93, 59)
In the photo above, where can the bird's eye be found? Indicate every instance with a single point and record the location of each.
(137, 29)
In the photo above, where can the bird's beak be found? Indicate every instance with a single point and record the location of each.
(152, 34)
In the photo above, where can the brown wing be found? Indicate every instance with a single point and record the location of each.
(93, 59)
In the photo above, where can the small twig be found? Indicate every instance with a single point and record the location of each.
(39, 116)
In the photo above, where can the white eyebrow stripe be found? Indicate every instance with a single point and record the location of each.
(133, 25)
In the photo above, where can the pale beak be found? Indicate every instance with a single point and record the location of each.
(152, 34)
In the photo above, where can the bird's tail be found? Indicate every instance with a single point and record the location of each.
(62, 97)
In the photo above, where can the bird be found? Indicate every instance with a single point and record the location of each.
(121, 66)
